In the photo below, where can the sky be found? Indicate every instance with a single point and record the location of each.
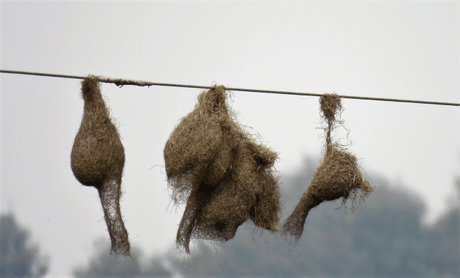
(405, 50)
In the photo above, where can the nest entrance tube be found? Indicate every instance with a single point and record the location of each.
(97, 160)
(220, 173)
(338, 176)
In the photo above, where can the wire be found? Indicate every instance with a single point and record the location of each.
(121, 82)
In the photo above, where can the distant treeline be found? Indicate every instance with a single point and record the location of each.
(383, 237)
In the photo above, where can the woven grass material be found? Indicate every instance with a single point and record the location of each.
(222, 175)
(338, 176)
(98, 159)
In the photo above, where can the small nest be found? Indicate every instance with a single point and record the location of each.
(222, 175)
(98, 159)
(338, 176)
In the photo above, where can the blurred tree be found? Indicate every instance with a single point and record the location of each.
(102, 264)
(18, 257)
(385, 236)
(388, 234)
(445, 241)
(445, 245)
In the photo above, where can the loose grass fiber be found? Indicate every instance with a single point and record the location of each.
(338, 176)
(222, 175)
(98, 159)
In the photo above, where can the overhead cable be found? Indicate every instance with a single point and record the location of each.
(122, 82)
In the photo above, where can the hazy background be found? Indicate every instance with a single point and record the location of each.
(407, 50)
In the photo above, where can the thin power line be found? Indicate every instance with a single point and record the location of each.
(122, 82)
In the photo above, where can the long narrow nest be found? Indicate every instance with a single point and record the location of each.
(98, 158)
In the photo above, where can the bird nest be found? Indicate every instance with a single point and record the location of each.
(338, 176)
(98, 158)
(222, 175)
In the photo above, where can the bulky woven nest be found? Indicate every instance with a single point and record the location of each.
(338, 176)
(98, 159)
(222, 175)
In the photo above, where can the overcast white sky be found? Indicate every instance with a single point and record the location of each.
(407, 50)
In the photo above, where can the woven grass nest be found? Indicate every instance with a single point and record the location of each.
(222, 175)
(338, 176)
(97, 160)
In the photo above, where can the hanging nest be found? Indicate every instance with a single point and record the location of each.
(222, 175)
(98, 159)
(338, 176)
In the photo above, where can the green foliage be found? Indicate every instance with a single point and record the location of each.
(18, 257)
